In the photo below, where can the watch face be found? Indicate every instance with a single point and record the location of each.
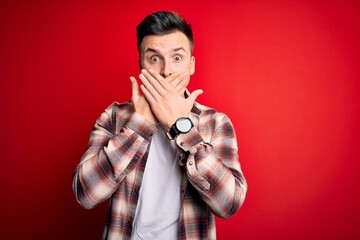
(183, 125)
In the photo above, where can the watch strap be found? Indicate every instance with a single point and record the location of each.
(173, 132)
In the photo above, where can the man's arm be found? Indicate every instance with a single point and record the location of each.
(111, 154)
(212, 166)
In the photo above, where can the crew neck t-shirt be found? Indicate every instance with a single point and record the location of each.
(158, 209)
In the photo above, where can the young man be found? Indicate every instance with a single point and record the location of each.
(167, 163)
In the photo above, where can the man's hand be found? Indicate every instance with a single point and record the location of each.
(141, 105)
(166, 96)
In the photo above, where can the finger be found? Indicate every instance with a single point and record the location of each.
(194, 95)
(181, 92)
(166, 83)
(151, 100)
(183, 82)
(149, 87)
(134, 87)
(155, 74)
(157, 83)
(176, 80)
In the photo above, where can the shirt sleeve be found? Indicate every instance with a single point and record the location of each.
(115, 148)
(212, 166)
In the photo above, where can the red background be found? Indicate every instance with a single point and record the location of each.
(286, 73)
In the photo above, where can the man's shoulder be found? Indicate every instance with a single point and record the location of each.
(209, 113)
(124, 106)
(210, 121)
(122, 109)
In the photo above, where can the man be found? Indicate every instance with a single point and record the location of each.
(167, 163)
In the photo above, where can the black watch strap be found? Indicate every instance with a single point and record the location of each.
(173, 132)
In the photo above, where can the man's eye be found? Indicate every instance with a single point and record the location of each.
(154, 59)
(177, 58)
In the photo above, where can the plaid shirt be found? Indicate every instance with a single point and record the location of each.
(114, 162)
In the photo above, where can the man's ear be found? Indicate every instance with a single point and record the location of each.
(192, 65)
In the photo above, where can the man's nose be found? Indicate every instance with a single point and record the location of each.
(166, 69)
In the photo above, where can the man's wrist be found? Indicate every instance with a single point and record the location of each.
(182, 125)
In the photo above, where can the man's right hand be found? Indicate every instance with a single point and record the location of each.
(141, 105)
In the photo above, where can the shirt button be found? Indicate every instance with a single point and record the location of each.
(190, 163)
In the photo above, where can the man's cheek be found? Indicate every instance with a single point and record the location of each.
(187, 80)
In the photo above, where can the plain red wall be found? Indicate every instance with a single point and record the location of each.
(286, 72)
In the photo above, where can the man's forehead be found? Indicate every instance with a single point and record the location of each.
(172, 42)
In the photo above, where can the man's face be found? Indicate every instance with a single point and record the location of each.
(167, 54)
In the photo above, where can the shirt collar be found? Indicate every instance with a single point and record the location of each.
(194, 109)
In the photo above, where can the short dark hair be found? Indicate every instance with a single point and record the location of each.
(162, 23)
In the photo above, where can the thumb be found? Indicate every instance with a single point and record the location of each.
(194, 95)
(134, 87)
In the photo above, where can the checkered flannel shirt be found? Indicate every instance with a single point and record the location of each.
(114, 162)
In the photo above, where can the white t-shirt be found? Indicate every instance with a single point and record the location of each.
(158, 207)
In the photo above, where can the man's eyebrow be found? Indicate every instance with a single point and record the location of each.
(156, 51)
(151, 50)
(178, 49)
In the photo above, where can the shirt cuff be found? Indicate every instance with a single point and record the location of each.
(189, 141)
(141, 126)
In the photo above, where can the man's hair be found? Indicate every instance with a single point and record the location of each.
(162, 23)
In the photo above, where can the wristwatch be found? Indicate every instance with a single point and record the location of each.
(182, 125)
